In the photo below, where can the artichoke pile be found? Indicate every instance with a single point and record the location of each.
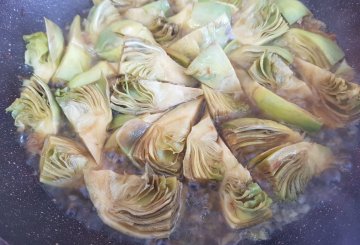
(226, 91)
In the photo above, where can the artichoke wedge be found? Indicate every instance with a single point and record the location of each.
(133, 95)
(292, 10)
(44, 51)
(248, 137)
(100, 16)
(149, 61)
(312, 47)
(36, 109)
(213, 68)
(148, 13)
(203, 157)
(243, 202)
(260, 28)
(338, 101)
(187, 48)
(63, 161)
(163, 31)
(163, 143)
(290, 168)
(224, 106)
(141, 206)
(132, 28)
(76, 59)
(88, 110)
(278, 108)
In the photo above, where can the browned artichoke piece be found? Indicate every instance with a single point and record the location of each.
(248, 137)
(142, 206)
(289, 169)
(338, 99)
(163, 143)
(204, 156)
(63, 161)
(163, 31)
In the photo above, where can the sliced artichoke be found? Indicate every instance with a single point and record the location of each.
(132, 28)
(142, 206)
(36, 109)
(162, 144)
(88, 110)
(243, 202)
(163, 31)
(203, 157)
(278, 108)
(63, 161)
(149, 61)
(76, 59)
(148, 13)
(189, 47)
(44, 51)
(245, 56)
(213, 68)
(260, 28)
(100, 16)
(338, 101)
(178, 5)
(92, 75)
(292, 10)
(314, 48)
(133, 95)
(224, 106)
(248, 137)
(290, 168)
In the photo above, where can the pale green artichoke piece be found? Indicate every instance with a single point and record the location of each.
(88, 110)
(292, 10)
(150, 61)
(212, 68)
(132, 28)
(63, 161)
(36, 109)
(119, 120)
(278, 108)
(141, 206)
(163, 31)
(290, 168)
(203, 157)
(133, 95)
(337, 101)
(248, 137)
(164, 141)
(76, 59)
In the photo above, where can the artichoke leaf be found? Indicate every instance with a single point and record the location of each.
(187, 48)
(290, 168)
(212, 68)
(88, 110)
(292, 10)
(76, 58)
(164, 141)
(163, 31)
(247, 137)
(276, 107)
(338, 101)
(63, 162)
(36, 109)
(133, 95)
(203, 156)
(132, 28)
(149, 61)
(142, 206)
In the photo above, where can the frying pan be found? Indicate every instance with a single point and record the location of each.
(29, 216)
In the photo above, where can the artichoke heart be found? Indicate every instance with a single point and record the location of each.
(88, 110)
(163, 31)
(132, 95)
(248, 137)
(338, 100)
(289, 169)
(243, 202)
(149, 61)
(63, 161)
(164, 141)
(212, 68)
(203, 157)
(260, 28)
(142, 206)
(36, 109)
